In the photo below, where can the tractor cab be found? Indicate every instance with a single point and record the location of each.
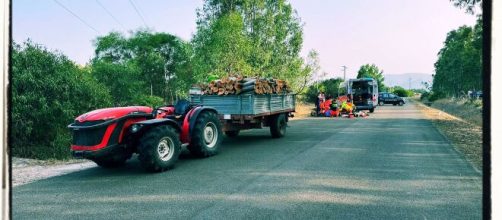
(175, 112)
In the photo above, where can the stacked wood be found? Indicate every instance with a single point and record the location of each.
(239, 85)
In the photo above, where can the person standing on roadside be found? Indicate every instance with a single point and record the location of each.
(320, 99)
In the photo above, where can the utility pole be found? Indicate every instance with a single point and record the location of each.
(344, 69)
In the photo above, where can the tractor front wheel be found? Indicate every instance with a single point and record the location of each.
(206, 135)
(159, 148)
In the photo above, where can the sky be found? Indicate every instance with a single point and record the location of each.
(399, 36)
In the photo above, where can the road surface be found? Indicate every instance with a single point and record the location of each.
(391, 165)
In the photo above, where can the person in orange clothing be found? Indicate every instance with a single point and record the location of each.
(326, 106)
(327, 103)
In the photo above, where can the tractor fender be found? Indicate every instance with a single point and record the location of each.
(145, 125)
(196, 113)
(190, 121)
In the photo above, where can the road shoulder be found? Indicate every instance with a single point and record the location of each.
(25, 170)
(466, 137)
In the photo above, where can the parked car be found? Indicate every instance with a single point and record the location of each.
(476, 94)
(389, 98)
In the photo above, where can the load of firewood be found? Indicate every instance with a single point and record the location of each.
(239, 85)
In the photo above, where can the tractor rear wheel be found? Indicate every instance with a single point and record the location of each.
(206, 135)
(278, 125)
(159, 148)
(232, 133)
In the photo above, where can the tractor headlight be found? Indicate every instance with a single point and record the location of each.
(135, 128)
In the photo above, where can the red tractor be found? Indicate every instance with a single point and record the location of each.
(110, 136)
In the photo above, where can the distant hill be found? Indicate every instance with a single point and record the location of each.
(403, 80)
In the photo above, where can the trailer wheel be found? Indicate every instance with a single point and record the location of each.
(232, 133)
(278, 125)
(112, 162)
(159, 148)
(206, 135)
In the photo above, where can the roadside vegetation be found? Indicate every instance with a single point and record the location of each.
(253, 38)
(48, 91)
(458, 74)
(458, 70)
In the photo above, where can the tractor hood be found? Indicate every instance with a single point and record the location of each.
(112, 113)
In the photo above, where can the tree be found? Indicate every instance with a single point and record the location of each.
(312, 68)
(163, 61)
(372, 71)
(271, 32)
(459, 65)
(48, 92)
(328, 86)
(123, 80)
(222, 48)
(469, 5)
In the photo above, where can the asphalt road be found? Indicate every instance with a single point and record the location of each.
(391, 165)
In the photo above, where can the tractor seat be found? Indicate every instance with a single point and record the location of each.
(182, 107)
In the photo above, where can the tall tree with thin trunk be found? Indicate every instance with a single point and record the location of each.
(372, 71)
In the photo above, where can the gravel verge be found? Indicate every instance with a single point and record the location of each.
(26, 170)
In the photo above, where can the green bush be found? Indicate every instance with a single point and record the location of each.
(48, 92)
(424, 96)
(399, 91)
(124, 81)
(435, 96)
(478, 103)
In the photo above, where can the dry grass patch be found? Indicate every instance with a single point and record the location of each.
(467, 109)
(465, 136)
(303, 109)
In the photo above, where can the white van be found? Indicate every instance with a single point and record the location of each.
(363, 93)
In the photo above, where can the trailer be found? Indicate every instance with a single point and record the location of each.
(250, 111)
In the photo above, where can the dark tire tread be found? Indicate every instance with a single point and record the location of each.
(197, 146)
(275, 123)
(147, 149)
